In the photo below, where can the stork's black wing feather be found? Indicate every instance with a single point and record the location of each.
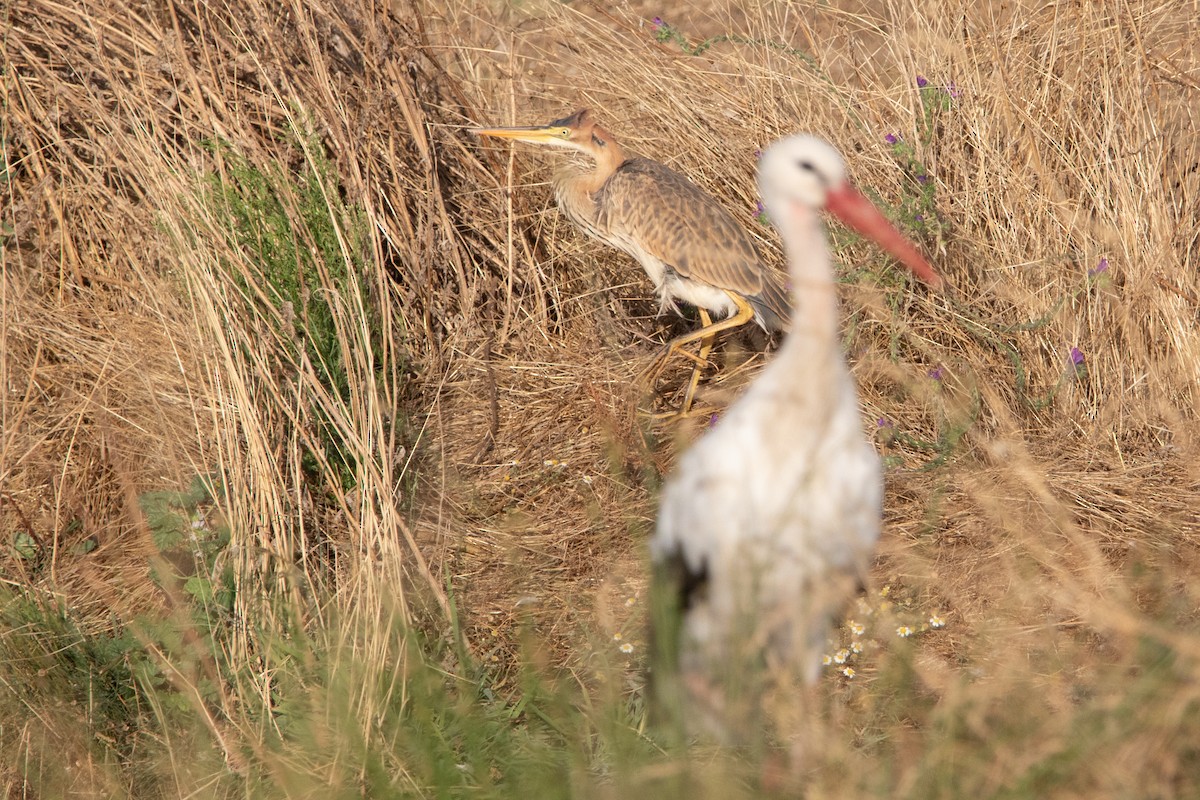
(677, 588)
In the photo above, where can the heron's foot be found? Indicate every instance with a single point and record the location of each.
(656, 367)
(660, 362)
(685, 410)
(670, 416)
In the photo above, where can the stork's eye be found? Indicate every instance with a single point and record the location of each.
(811, 168)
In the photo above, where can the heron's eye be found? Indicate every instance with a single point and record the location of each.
(565, 133)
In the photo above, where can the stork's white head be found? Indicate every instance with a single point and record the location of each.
(800, 169)
(800, 174)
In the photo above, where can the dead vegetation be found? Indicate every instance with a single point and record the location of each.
(488, 410)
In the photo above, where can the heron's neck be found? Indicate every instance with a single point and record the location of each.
(608, 155)
(576, 190)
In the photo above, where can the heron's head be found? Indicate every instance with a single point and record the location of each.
(576, 132)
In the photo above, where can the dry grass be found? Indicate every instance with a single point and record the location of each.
(142, 343)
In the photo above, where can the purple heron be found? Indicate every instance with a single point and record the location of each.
(691, 247)
(771, 517)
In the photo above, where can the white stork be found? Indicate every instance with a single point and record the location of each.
(771, 516)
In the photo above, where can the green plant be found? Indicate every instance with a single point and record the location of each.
(311, 252)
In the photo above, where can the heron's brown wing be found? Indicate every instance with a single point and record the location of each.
(681, 225)
(773, 303)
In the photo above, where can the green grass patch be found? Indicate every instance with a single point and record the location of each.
(310, 251)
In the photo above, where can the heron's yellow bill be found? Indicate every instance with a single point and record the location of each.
(551, 134)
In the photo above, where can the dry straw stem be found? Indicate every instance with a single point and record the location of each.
(140, 344)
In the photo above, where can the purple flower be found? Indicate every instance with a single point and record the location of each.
(884, 422)
(758, 208)
(657, 22)
(921, 82)
(891, 138)
(936, 373)
(1076, 356)
(922, 179)
(1101, 267)
(918, 217)
(713, 420)
(758, 153)
(952, 90)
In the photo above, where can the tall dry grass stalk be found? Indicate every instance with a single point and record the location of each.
(485, 408)
(145, 341)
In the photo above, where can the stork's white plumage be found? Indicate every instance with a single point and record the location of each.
(773, 514)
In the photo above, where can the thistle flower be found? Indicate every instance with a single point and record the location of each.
(1076, 357)
(884, 422)
(1099, 268)
(921, 82)
(891, 138)
(662, 31)
(936, 373)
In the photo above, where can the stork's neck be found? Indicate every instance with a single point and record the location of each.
(814, 330)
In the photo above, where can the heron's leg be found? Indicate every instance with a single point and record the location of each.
(707, 335)
(745, 313)
(706, 346)
(669, 349)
